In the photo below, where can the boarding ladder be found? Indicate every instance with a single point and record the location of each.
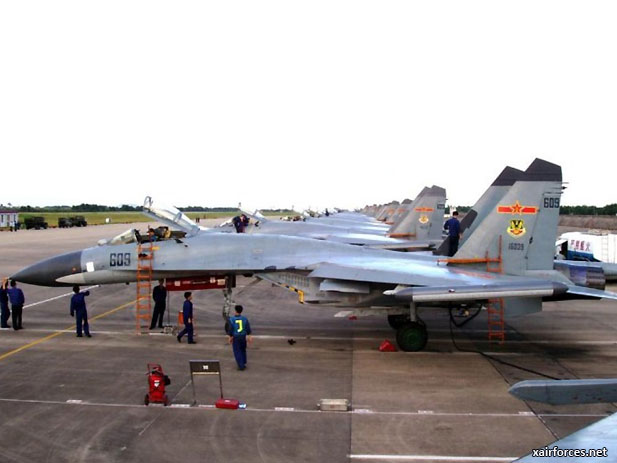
(495, 307)
(143, 301)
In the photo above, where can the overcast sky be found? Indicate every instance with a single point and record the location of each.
(320, 103)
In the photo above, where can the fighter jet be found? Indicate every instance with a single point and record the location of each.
(589, 274)
(509, 256)
(421, 226)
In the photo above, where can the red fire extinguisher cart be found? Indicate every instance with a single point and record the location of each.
(157, 380)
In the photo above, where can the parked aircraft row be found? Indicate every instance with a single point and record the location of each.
(346, 259)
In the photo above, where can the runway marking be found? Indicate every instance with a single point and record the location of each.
(57, 297)
(429, 458)
(69, 329)
(377, 338)
(77, 402)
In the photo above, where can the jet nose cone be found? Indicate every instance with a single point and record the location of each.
(46, 272)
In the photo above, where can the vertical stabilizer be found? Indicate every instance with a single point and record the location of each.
(525, 219)
(425, 218)
(484, 205)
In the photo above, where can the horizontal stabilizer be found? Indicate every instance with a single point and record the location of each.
(567, 391)
(591, 292)
(599, 439)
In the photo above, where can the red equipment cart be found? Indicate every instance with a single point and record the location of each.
(157, 380)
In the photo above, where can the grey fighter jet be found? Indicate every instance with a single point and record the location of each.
(419, 229)
(509, 256)
(590, 274)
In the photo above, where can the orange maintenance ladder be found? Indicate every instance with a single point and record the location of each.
(495, 307)
(143, 302)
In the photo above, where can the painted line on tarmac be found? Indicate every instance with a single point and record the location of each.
(431, 458)
(69, 329)
(79, 402)
(56, 297)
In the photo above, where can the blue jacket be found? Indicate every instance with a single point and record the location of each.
(4, 297)
(78, 302)
(187, 312)
(240, 325)
(453, 226)
(16, 295)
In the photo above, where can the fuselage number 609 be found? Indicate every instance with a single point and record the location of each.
(119, 259)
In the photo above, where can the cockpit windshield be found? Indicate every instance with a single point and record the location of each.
(127, 237)
(133, 235)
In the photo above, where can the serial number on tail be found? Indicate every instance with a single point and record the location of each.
(551, 203)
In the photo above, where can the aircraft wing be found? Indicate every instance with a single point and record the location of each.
(436, 284)
(428, 283)
(600, 437)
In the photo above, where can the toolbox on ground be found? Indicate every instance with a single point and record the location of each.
(231, 404)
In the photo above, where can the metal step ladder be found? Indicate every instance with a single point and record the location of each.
(143, 300)
(496, 322)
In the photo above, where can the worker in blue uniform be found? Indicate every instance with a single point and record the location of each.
(240, 333)
(159, 294)
(16, 296)
(238, 224)
(187, 318)
(78, 310)
(454, 233)
(4, 304)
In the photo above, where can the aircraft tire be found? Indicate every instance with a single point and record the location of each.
(411, 337)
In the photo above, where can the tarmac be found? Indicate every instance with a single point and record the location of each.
(69, 399)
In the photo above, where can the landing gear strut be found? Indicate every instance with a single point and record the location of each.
(228, 305)
(411, 334)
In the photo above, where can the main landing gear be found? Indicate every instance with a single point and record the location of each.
(227, 306)
(411, 334)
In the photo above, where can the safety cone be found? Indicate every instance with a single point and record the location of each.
(387, 346)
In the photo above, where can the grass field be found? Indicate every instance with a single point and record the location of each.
(98, 218)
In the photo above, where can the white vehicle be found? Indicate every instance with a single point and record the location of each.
(590, 246)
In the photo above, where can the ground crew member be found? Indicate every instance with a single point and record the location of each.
(240, 333)
(454, 233)
(238, 224)
(4, 304)
(159, 294)
(187, 318)
(16, 295)
(78, 310)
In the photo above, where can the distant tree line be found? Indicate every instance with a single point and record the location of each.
(80, 208)
(609, 209)
(127, 208)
